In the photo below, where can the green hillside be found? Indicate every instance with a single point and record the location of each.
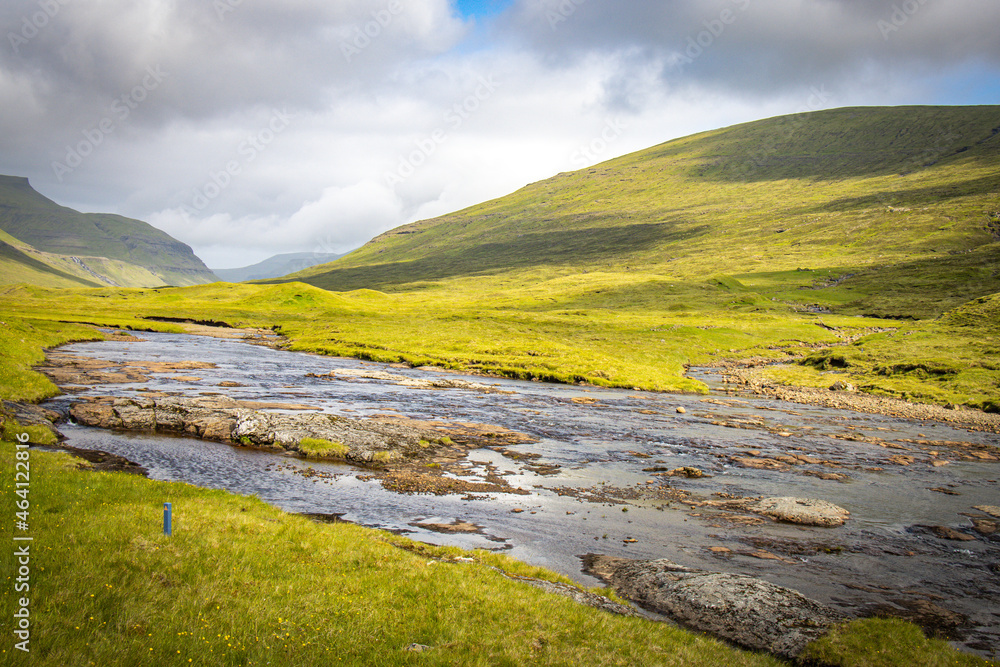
(907, 199)
(859, 245)
(18, 265)
(768, 239)
(93, 248)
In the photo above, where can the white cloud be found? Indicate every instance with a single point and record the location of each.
(457, 119)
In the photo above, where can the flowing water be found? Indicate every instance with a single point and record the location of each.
(595, 444)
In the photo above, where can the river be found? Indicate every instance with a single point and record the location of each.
(592, 476)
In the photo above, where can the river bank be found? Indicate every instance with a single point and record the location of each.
(748, 376)
(607, 470)
(242, 582)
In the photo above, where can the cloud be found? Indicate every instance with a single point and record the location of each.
(758, 47)
(285, 126)
(339, 220)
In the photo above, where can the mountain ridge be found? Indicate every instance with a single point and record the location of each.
(276, 266)
(109, 249)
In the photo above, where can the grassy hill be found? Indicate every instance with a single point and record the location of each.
(17, 264)
(854, 242)
(906, 199)
(91, 248)
(768, 240)
(762, 239)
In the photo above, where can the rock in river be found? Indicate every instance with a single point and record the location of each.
(739, 608)
(224, 419)
(805, 511)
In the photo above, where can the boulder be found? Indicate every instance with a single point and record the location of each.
(804, 511)
(99, 414)
(738, 608)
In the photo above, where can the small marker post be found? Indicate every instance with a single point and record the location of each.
(167, 511)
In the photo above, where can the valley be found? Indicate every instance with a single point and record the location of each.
(805, 306)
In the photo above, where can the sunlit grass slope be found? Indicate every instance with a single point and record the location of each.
(907, 199)
(550, 331)
(880, 212)
(769, 239)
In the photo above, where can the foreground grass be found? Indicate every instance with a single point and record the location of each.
(884, 643)
(22, 342)
(242, 583)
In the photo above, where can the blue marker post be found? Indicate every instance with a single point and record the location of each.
(167, 528)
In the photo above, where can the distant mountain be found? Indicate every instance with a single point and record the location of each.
(276, 266)
(46, 243)
(901, 202)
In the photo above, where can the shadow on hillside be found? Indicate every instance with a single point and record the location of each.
(909, 197)
(553, 248)
(847, 143)
(924, 288)
(8, 251)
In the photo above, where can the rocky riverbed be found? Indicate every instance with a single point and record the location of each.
(861, 513)
(747, 376)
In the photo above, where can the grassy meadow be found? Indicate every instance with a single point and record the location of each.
(243, 583)
(556, 329)
(771, 239)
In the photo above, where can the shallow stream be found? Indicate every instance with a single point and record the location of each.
(593, 489)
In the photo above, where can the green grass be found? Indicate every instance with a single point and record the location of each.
(553, 329)
(705, 248)
(242, 583)
(595, 329)
(902, 197)
(702, 249)
(876, 642)
(718, 242)
(22, 344)
(954, 360)
(320, 448)
(18, 264)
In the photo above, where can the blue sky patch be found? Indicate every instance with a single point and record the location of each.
(481, 8)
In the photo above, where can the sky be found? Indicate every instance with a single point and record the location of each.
(247, 128)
